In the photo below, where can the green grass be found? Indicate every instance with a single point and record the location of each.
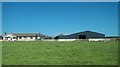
(60, 53)
(0, 54)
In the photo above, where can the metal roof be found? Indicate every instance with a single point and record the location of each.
(25, 34)
(87, 32)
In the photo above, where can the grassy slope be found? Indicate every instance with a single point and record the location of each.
(60, 53)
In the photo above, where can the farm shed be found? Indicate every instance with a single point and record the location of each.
(81, 35)
(115, 38)
(48, 37)
(1, 37)
(59, 36)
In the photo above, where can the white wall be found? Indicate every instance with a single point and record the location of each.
(33, 39)
(9, 37)
(38, 37)
(102, 39)
(66, 39)
(59, 40)
(26, 39)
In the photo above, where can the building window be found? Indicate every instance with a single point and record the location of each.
(19, 37)
(31, 37)
(25, 37)
(14, 38)
(6, 38)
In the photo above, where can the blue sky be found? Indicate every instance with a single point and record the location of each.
(53, 18)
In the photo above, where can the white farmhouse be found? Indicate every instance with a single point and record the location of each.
(21, 37)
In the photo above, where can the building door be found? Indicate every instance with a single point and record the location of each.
(82, 36)
(56, 37)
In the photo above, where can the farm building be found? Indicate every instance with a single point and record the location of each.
(81, 35)
(113, 37)
(1, 37)
(23, 36)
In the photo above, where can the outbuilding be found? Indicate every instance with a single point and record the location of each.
(81, 35)
(1, 37)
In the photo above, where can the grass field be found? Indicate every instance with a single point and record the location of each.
(60, 53)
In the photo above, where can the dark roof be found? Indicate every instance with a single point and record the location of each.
(1, 36)
(25, 34)
(88, 32)
(47, 37)
(41, 35)
(61, 35)
(30, 34)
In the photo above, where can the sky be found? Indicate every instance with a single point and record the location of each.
(0, 18)
(60, 0)
(53, 18)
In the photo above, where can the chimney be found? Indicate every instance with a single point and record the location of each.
(4, 33)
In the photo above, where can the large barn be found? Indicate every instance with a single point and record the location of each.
(81, 35)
